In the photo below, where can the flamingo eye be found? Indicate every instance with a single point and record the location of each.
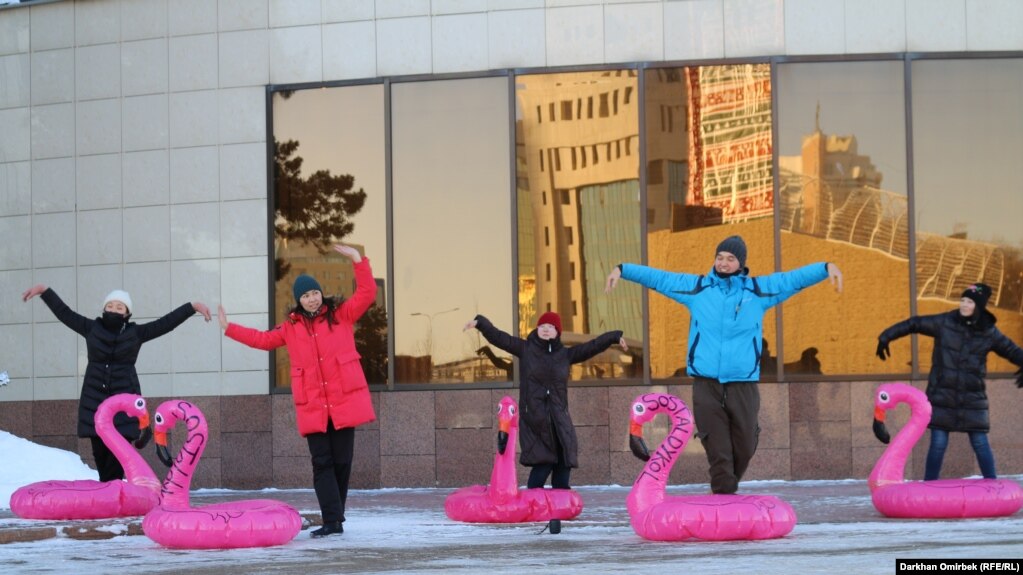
(158, 418)
(883, 396)
(140, 403)
(638, 408)
(511, 410)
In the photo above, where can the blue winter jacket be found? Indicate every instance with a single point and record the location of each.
(726, 325)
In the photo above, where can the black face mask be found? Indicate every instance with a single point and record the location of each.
(114, 321)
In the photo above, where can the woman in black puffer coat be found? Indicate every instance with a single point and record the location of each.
(113, 344)
(546, 433)
(955, 386)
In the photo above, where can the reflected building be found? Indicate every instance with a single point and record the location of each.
(577, 156)
(833, 191)
(709, 145)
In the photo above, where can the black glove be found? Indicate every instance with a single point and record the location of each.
(143, 440)
(1019, 378)
(882, 349)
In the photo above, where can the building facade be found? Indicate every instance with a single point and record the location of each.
(511, 152)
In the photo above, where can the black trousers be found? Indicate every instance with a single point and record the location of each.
(561, 472)
(106, 463)
(332, 466)
(726, 422)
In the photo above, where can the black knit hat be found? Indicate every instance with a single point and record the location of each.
(735, 246)
(304, 283)
(979, 293)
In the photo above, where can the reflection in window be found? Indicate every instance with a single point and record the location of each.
(707, 179)
(968, 141)
(328, 188)
(452, 234)
(596, 222)
(842, 198)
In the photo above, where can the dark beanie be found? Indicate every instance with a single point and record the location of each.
(304, 283)
(979, 293)
(735, 246)
(551, 318)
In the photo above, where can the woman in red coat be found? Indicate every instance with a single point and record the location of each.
(327, 382)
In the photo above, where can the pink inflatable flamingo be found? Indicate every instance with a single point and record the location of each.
(502, 501)
(91, 499)
(658, 517)
(174, 523)
(942, 498)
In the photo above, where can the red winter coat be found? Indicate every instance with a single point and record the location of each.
(326, 376)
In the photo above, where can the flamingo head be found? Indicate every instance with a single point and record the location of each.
(643, 410)
(135, 406)
(138, 409)
(507, 418)
(887, 397)
(167, 416)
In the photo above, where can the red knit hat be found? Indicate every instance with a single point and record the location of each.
(551, 318)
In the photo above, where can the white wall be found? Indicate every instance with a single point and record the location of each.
(133, 136)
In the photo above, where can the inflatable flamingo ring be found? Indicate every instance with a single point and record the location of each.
(502, 501)
(91, 499)
(658, 517)
(174, 523)
(942, 498)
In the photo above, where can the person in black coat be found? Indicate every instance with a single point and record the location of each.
(113, 344)
(955, 386)
(546, 433)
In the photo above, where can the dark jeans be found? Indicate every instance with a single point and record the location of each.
(538, 475)
(332, 466)
(726, 423)
(106, 463)
(936, 454)
(561, 472)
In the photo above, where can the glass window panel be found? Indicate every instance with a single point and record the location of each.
(594, 227)
(452, 231)
(842, 199)
(709, 148)
(329, 188)
(967, 145)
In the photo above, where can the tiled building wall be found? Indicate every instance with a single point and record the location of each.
(809, 431)
(133, 152)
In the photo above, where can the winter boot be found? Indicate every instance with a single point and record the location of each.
(329, 528)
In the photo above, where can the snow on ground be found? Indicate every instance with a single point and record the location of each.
(24, 462)
(406, 531)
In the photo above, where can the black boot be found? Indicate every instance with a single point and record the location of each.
(329, 528)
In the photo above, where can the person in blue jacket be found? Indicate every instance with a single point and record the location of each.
(727, 308)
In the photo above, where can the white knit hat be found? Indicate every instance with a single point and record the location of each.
(118, 295)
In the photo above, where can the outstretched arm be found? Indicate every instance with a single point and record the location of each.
(365, 286)
(496, 337)
(927, 325)
(77, 322)
(265, 340)
(167, 323)
(584, 351)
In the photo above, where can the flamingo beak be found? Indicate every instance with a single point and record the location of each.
(880, 431)
(502, 435)
(161, 448)
(147, 432)
(636, 443)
